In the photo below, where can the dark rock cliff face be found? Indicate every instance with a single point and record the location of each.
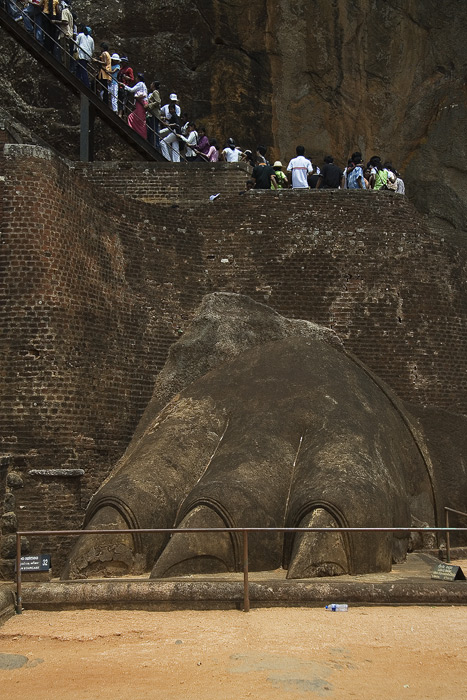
(383, 76)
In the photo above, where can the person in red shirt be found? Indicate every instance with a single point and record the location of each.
(127, 77)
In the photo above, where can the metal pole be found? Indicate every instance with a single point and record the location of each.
(246, 597)
(19, 607)
(448, 539)
(86, 143)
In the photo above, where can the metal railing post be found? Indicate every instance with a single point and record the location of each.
(246, 595)
(448, 538)
(19, 606)
(86, 151)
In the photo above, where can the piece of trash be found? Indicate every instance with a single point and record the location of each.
(199, 663)
(212, 197)
(337, 607)
(178, 641)
(406, 686)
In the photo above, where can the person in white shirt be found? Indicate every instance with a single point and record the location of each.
(139, 89)
(85, 44)
(299, 168)
(190, 136)
(173, 101)
(231, 152)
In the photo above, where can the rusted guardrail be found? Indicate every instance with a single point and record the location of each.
(244, 530)
(449, 529)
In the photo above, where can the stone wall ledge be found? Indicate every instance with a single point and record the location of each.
(57, 472)
(145, 166)
(178, 594)
(24, 150)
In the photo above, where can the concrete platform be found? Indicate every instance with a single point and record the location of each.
(409, 583)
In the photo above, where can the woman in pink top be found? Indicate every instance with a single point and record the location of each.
(213, 154)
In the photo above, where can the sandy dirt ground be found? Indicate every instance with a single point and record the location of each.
(367, 653)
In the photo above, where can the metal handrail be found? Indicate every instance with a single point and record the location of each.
(22, 11)
(92, 70)
(64, 51)
(448, 533)
(244, 530)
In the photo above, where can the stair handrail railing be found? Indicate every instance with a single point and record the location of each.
(18, 12)
(448, 534)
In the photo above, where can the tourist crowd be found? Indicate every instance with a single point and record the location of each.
(54, 24)
(302, 174)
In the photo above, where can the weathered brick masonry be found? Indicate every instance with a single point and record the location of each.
(184, 184)
(96, 286)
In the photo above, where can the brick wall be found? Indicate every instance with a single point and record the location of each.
(170, 184)
(4, 138)
(96, 286)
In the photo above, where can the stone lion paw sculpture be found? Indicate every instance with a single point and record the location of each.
(260, 421)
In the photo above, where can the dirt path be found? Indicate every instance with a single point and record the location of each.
(413, 653)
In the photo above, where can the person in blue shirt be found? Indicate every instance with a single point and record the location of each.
(355, 178)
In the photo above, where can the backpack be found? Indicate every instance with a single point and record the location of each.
(391, 184)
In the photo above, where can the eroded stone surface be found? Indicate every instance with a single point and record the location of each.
(270, 427)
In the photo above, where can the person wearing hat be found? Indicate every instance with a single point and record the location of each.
(85, 45)
(231, 153)
(170, 135)
(281, 178)
(113, 84)
(247, 157)
(173, 101)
